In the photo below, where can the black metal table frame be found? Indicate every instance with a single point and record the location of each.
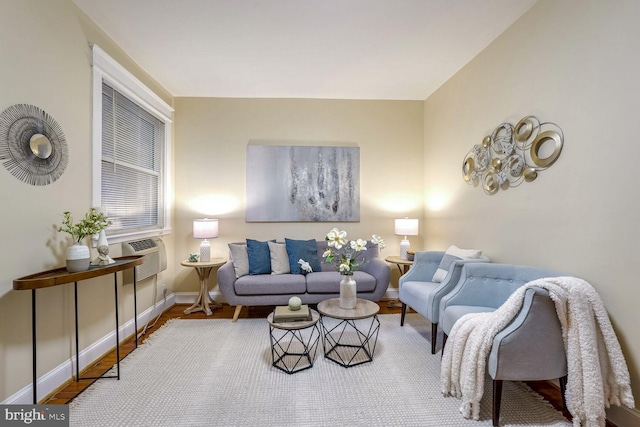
(75, 288)
(310, 347)
(135, 323)
(332, 345)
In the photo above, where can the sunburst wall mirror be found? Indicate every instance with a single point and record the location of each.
(32, 145)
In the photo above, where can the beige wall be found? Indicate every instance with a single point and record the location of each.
(574, 63)
(570, 62)
(211, 140)
(46, 61)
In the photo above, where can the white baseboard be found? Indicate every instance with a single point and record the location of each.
(391, 294)
(52, 380)
(190, 297)
(623, 416)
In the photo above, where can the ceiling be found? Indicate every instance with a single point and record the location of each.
(335, 49)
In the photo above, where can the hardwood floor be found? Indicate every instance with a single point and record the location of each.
(69, 391)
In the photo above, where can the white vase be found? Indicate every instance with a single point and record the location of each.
(78, 257)
(348, 292)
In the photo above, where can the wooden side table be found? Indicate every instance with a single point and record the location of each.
(403, 266)
(204, 270)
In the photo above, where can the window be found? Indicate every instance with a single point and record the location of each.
(131, 135)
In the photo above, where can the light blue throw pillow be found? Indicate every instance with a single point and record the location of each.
(259, 257)
(306, 250)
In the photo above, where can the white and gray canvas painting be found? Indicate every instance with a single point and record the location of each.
(300, 183)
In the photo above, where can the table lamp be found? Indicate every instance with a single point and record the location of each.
(405, 227)
(205, 229)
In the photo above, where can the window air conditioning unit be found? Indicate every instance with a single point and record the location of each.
(155, 258)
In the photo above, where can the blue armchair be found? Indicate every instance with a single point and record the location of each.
(531, 347)
(418, 291)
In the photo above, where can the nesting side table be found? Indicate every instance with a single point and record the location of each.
(294, 344)
(349, 335)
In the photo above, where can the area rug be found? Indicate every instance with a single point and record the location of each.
(219, 373)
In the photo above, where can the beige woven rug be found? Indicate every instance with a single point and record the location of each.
(218, 373)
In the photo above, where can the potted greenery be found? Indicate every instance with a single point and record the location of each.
(78, 255)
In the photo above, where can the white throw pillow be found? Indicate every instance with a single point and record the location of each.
(279, 258)
(239, 258)
(454, 253)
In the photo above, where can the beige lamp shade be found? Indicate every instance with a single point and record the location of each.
(405, 227)
(205, 229)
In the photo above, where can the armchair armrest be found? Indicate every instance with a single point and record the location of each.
(531, 347)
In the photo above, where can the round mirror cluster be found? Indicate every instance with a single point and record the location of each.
(513, 154)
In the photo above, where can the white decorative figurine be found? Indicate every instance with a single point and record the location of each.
(103, 251)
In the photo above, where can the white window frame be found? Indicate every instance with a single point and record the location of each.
(106, 69)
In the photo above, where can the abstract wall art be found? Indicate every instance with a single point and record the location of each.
(303, 183)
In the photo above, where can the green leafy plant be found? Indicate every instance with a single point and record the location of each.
(93, 222)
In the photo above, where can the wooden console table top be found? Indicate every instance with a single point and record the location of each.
(60, 276)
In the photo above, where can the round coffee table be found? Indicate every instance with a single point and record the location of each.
(294, 344)
(349, 335)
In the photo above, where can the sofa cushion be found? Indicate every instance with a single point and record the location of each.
(259, 257)
(279, 258)
(239, 258)
(328, 282)
(270, 284)
(306, 250)
(454, 253)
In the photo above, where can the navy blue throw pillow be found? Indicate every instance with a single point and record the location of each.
(259, 257)
(302, 249)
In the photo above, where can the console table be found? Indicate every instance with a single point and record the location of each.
(61, 276)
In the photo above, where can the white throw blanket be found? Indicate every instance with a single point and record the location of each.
(596, 379)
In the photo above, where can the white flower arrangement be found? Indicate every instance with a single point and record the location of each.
(344, 254)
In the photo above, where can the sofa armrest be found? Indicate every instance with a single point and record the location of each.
(226, 279)
(380, 270)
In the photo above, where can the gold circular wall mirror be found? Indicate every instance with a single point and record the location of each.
(40, 146)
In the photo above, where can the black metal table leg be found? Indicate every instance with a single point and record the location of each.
(115, 288)
(75, 300)
(135, 306)
(33, 338)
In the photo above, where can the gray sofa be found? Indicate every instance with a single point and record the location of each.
(276, 289)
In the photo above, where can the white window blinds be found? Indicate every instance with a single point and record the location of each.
(133, 150)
